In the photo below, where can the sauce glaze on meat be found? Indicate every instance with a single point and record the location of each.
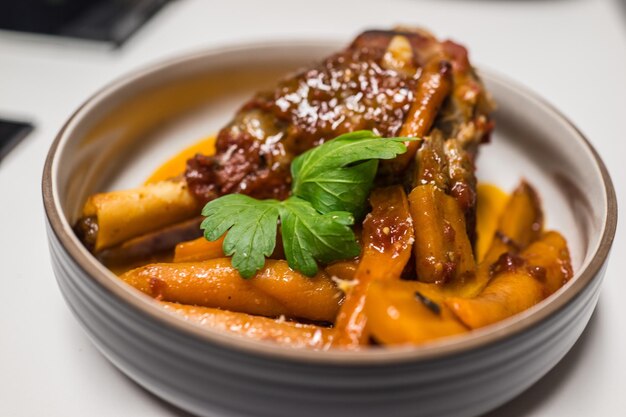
(361, 87)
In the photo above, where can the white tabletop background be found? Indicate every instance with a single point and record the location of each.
(572, 52)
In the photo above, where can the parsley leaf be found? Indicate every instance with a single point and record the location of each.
(330, 186)
(252, 229)
(338, 175)
(309, 236)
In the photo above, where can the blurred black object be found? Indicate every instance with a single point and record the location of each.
(100, 20)
(11, 133)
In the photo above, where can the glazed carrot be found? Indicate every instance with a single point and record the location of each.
(507, 294)
(519, 282)
(520, 224)
(490, 204)
(283, 332)
(275, 290)
(387, 239)
(401, 312)
(462, 184)
(443, 252)
(550, 261)
(343, 270)
(431, 163)
(199, 249)
(434, 86)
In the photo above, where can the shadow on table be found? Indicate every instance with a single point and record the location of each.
(175, 411)
(171, 409)
(532, 398)
(168, 408)
(621, 5)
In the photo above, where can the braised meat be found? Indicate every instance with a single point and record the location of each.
(400, 82)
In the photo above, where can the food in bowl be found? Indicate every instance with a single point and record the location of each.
(339, 210)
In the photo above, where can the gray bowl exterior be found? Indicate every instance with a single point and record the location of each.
(215, 380)
(215, 375)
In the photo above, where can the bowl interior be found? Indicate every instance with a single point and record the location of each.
(129, 128)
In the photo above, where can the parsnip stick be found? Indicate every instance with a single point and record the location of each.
(292, 334)
(275, 290)
(152, 244)
(117, 216)
(387, 241)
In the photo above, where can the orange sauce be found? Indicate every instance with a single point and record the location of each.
(175, 166)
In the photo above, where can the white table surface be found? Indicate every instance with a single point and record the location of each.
(573, 52)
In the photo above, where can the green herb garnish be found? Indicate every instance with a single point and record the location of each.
(331, 183)
(338, 175)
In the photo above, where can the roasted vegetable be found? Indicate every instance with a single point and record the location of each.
(433, 87)
(387, 240)
(403, 312)
(114, 217)
(519, 282)
(549, 261)
(521, 223)
(442, 249)
(292, 334)
(199, 249)
(490, 204)
(275, 290)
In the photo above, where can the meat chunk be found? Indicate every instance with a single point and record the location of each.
(372, 84)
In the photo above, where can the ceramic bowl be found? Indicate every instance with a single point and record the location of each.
(130, 126)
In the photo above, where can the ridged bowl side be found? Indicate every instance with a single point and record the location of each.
(211, 380)
(211, 373)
